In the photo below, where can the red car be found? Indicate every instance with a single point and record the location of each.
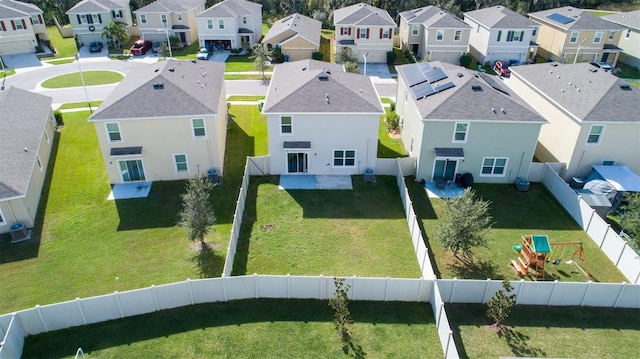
(502, 68)
(141, 47)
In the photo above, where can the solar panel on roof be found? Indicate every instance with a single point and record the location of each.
(414, 75)
(493, 83)
(444, 86)
(559, 18)
(424, 67)
(435, 75)
(423, 90)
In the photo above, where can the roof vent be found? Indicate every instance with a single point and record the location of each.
(171, 69)
(194, 61)
(156, 70)
(558, 76)
(503, 111)
(158, 86)
(323, 78)
(326, 96)
(577, 89)
(328, 72)
(593, 70)
(476, 88)
(493, 110)
(562, 90)
(625, 87)
(460, 74)
(304, 68)
(554, 64)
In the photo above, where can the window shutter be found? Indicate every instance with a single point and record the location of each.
(2, 25)
(391, 33)
(79, 20)
(100, 18)
(113, 14)
(40, 18)
(499, 35)
(120, 13)
(358, 34)
(24, 24)
(13, 24)
(342, 31)
(349, 31)
(521, 35)
(381, 33)
(367, 33)
(31, 19)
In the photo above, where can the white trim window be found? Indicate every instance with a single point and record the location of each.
(143, 18)
(362, 33)
(244, 19)
(3, 221)
(460, 132)
(163, 18)
(344, 158)
(494, 166)
(180, 162)
(113, 132)
(628, 33)
(612, 35)
(39, 163)
(439, 35)
(457, 35)
(46, 136)
(221, 24)
(210, 24)
(286, 125)
(198, 127)
(385, 34)
(18, 24)
(415, 30)
(597, 38)
(574, 37)
(608, 162)
(595, 134)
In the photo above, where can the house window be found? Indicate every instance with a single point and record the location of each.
(494, 166)
(286, 125)
(460, 132)
(415, 29)
(534, 32)
(457, 35)
(499, 36)
(35, 19)
(626, 36)
(39, 163)
(574, 37)
(515, 36)
(612, 35)
(244, 19)
(2, 220)
(362, 33)
(46, 137)
(608, 162)
(384, 34)
(597, 37)
(163, 18)
(198, 128)
(209, 24)
(439, 35)
(143, 18)
(113, 132)
(18, 25)
(180, 161)
(344, 158)
(595, 134)
(221, 24)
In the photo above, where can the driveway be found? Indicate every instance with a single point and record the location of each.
(376, 69)
(220, 56)
(19, 61)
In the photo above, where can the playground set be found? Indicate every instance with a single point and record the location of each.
(535, 253)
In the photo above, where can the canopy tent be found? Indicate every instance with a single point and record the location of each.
(612, 181)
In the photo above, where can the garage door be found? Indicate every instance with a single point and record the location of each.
(373, 56)
(17, 47)
(445, 56)
(505, 56)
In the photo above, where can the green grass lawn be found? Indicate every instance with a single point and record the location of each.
(550, 332)
(64, 47)
(246, 77)
(261, 328)
(625, 71)
(241, 64)
(515, 214)
(91, 78)
(245, 98)
(363, 231)
(188, 53)
(389, 145)
(326, 45)
(7, 72)
(601, 12)
(60, 62)
(67, 106)
(634, 83)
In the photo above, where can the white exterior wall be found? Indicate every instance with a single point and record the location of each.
(447, 50)
(631, 47)
(153, 29)
(17, 41)
(326, 132)
(484, 44)
(230, 31)
(375, 47)
(83, 32)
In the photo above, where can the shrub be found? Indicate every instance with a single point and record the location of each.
(392, 106)
(317, 55)
(466, 60)
(391, 57)
(352, 66)
(344, 55)
(392, 120)
(59, 120)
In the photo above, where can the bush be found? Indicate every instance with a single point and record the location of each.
(392, 106)
(466, 60)
(59, 120)
(391, 57)
(345, 55)
(352, 66)
(393, 121)
(317, 55)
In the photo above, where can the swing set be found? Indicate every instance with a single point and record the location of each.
(579, 253)
(535, 253)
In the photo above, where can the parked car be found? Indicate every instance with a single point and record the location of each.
(95, 47)
(203, 54)
(141, 47)
(156, 47)
(502, 68)
(602, 65)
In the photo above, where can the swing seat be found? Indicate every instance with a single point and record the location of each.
(557, 261)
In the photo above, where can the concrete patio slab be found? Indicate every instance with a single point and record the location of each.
(449, 191)
(129, 190)
(333, 182)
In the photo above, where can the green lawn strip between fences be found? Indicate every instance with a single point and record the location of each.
(245, 98)
(64, 47)
(237, 63)
(91, 78)
(68, 106)
(389, 145)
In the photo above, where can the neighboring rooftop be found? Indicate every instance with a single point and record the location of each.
(172, 88)
(301, 25)
(11, 9)
(587, 93)
(433, 17)
(362, 15)
(310, 86)
(444, 91)
(20, 137)
(232, 8)
(499, 17)
(571, 18)
(96, 6)
(165, 6)
(629, 19)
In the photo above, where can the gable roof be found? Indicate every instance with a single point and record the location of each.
(189, 88)
(499, 17)
(304, 86)
(95, 6)
(629, 19)
(431, 16)
(22, 130)
(305, 27)
(12, 8)
(232, 8)
(571, 18)
(585, 94)
(466, 102)
(362, 15)
(165, 6)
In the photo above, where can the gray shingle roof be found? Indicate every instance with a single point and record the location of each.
(431, 16)
(164, 6)
(22, 129)
(186, 91)
(582, 19)
(25, 8)
(304, 26)
(499, 17)
(628, 19)
(232, 8)
(599, 98)
(463, 103)
(96, 6)
(303, 87)
(362, 15)
(11, 13)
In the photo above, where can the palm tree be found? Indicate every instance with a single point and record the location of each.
(116, 33)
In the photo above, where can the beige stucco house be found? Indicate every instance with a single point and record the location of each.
(321, 120)
(434, 34)
(166, 121)
(630, 37)
(455, 121)
(576, 35)
(89, 17)
(297, 36)
(169, 17)
(593, 115)
(230, 24)
(366, 30)
(21, 27)
(26, 138)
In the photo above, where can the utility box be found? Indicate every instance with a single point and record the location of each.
(522, 185)
(212, 175)
(369, 175)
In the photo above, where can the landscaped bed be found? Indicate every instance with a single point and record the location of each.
(515, 214)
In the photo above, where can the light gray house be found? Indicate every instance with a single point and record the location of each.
(630, 38)
(89, 17)
(21, 27)
(169, 17)
(230, 24)
(455, 121)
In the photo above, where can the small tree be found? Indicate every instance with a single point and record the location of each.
(391, 58)
(197, 214)
(317, 55)
(260, 57)
(499, 306)
(58, 116)
(344, 55)
(465, 60)
(466, 221)
(339, 303)
(164, 50)
(392, 121)
(352, 67)
(116, 33)
(631, 219)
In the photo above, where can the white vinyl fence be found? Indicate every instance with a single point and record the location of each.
(536, 170)
(237, 222)
(445, 334)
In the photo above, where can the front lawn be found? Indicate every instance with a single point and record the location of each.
(515, 214)
(67, 106)
(64, 47)
(238, 63)
(628, 72)
(91, 78)
(549, 332)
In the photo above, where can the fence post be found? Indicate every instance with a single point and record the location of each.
(386, 288)
(119, 304)
(190, 290)
(586, 292)
(604, 237)
(622, 287)
(446, 350)
(321, 278)
(44, 325)
(440, 315)
(224, 287)
(155, 296)
(84, 320)
(621, 253)
(486, 287)
(353, 288)
(453, 287)
(288, 286)
(637, 278)
(519, 289)
(419, 288)
(425, 257)
(555, 284)
(255, 284)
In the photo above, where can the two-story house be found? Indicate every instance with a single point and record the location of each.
(321, 120)
(21, 27)
(434, 34)
(89, 17)
(164, 122)
(164, 18)
(230, 24)
(576, 35)
(297, 36)
(498, 33)
(366, 30)
(455, 121)
(593, 115)
(630, 37)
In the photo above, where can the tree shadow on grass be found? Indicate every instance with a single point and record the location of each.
(473, 268)
(351, 347)
(424, 210)
(518, 343)
(209, 263)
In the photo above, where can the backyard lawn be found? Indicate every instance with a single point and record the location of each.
(389, 146)
(241, 64)
(326, 45)
(549, 332)
(63, 47)
(261, 328)
(91, 78)
(515, 214)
